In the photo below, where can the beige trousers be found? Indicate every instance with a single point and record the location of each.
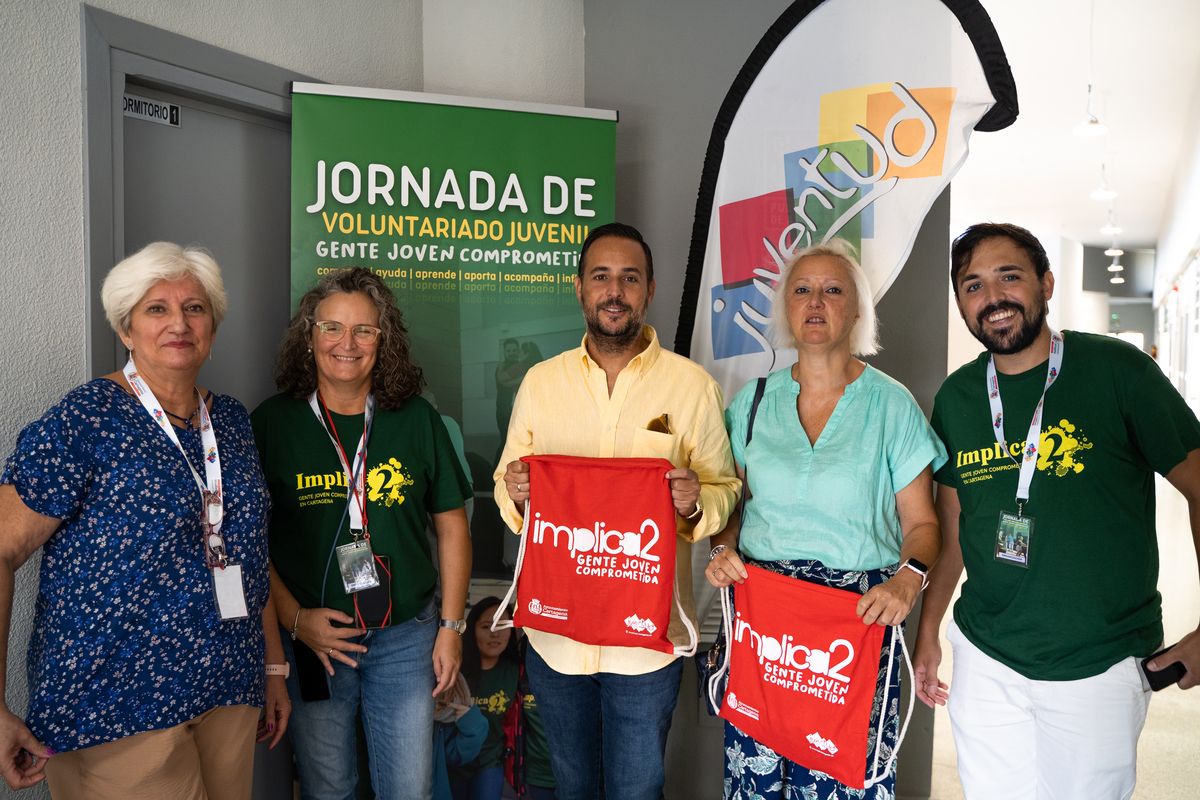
(210, 757)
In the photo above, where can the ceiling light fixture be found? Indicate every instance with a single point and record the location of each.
(1115, 266)
(1114, 251)
(1116, 279)
(1111, 228)
(1103, 193)
(1091, 126)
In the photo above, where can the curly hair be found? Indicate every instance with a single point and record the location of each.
(394, 378)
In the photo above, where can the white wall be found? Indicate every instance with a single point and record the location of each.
(1180, 233)
(528, 50)
(41, 148)
(42, 292)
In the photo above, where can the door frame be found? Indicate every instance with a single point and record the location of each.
(115, 48)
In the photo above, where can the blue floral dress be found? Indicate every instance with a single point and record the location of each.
(126, 635)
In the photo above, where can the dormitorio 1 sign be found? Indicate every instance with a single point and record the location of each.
(598, 552)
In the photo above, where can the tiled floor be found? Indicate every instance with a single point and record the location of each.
(1168, 766)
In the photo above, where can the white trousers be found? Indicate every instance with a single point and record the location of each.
(1046, 740)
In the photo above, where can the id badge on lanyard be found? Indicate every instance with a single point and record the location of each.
(1014, 531)
(356, 561)
(229, 591)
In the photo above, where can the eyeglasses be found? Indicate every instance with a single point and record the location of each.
(334, 331)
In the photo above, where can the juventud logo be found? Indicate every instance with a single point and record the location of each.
(798, 667)
(637, 625)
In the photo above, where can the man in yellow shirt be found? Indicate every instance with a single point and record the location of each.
(618, 395)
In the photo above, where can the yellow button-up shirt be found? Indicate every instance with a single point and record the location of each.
(563, 408)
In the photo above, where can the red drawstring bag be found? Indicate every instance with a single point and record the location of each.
(803, 670)
(597, 557)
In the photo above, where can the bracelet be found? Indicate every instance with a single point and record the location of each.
(296, 622)
(716, 551)
(278, 669)
(699, 510)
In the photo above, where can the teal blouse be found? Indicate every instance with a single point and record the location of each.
(834, 502)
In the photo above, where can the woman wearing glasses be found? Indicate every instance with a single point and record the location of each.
(144, 494)
(356, 461)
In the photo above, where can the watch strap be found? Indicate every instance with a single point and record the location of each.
(919, 568)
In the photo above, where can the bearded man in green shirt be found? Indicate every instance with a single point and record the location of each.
(1047, 500)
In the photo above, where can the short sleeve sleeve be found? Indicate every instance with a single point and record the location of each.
(911, 442)
(736, 419)
(448, 486)
(52, 465)
(944, 473)
(1164, 428)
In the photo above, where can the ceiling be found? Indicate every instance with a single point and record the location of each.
(1145, 78)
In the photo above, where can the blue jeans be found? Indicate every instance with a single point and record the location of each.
(487, 784)
(610, 722)
(393, 690)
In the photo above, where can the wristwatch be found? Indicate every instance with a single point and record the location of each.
(919, 568)
(459, 626)
(284, 669)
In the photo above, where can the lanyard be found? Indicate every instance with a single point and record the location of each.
(213, 509)
(1033, 438)
(356, 492)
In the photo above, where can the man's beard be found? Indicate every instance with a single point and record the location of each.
(613, 341)
(1015, 340)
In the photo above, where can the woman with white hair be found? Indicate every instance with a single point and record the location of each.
(838, 475)
(144, 493)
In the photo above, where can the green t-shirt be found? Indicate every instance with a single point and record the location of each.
(537, 749)
(493, 694)
(1089, 596)
(412, 471)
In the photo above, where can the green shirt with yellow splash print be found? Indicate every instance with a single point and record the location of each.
(1088, 597)
(412, 471)
(493, 694)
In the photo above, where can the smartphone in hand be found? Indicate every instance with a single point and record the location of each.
(1169, 675)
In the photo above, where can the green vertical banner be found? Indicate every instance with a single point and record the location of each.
(473, 212)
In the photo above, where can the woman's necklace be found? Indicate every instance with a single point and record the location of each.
(188, 421)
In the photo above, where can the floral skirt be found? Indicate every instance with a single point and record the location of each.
(754, 771)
